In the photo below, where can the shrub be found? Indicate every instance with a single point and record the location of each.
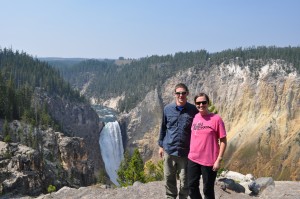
(51, 188)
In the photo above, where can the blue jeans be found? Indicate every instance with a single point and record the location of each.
(174, 165)
(208, 175)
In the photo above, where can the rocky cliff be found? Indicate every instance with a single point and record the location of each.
(259, 102)
(75, 119)
(38, 157)
(142, 126)
(57, 160)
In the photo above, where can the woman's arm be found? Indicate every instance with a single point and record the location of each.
(223, 144)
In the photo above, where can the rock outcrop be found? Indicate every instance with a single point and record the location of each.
(56, 160)
(37, 157)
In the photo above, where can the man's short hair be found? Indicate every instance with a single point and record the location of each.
(182, 85)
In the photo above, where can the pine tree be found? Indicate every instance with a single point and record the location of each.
(122, 179)
(136, 168)
(2, 96)
(131, 169)
(6, 131)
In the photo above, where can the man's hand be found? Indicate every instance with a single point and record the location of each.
(161, 152)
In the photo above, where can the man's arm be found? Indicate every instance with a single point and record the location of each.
(162, 134)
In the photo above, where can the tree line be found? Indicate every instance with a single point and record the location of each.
(136, 78)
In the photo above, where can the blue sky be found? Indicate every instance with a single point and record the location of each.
(140, 28)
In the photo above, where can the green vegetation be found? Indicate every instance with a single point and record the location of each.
(132, 169)
(7, 138)
(51, 188)
(212, 108)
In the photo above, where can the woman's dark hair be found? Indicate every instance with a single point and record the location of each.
(201, 95)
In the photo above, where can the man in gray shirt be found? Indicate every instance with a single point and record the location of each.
(174, 141)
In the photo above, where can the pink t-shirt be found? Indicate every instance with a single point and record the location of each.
(206, 131)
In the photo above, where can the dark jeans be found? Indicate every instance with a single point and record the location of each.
(208, 175)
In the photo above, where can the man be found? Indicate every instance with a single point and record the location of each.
(174, 141)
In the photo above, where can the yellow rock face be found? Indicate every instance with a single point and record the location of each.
(263, 124)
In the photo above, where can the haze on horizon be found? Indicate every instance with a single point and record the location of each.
(135, 29)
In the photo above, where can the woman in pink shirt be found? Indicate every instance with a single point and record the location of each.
(208, 143)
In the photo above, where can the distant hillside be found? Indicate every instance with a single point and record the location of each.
(104, 79)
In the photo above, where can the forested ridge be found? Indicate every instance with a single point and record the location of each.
(138, 77)
(20, 75)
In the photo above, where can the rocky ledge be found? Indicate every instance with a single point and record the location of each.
(155, 190)
(230, 185)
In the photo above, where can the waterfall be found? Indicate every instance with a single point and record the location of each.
(111, 148)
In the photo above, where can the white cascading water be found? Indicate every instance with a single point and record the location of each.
(111, 147)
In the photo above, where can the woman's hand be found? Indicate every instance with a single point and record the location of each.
(216, 166)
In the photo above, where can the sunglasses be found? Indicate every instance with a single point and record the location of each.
(202, 102)
(181, 93)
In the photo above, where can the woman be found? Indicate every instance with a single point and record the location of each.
(208, 143)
